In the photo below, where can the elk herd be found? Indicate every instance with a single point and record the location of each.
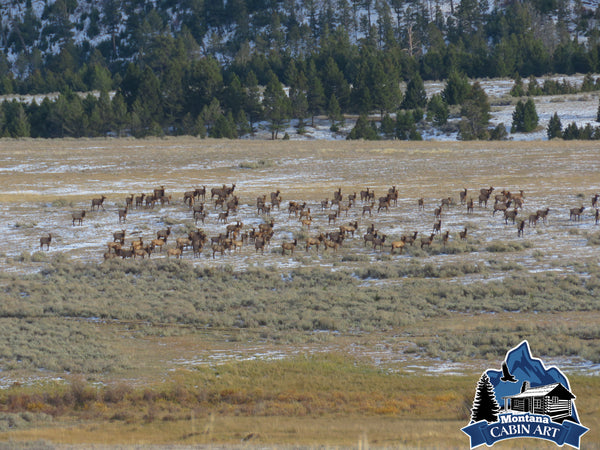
(220, 207)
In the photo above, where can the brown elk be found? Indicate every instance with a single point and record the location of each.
(329, 243)
(463, 234)
(98, 203)
(223, 217)
(521, 228)
(219, 248)
(576, 213)
(125, 253)
(139, 200)
(501, 206)
(129, 201)
(445, 238)
(176, 252)
(437, 227)
(463, 196)
(259, 244)
(197, 245)
(426, 241)
(123, 214)
(199, 215)
(383, 204)
(324, 204)
(446, 202)
(510, 215)
(543, 214)
(437, 212)
(289, 246)
(188, 198)
(350, 228)
(158, 243)
(116, 246)
(367, 209)
(398, 245)
(200, 192)
(45, 240)
(150, 201)
(378, 241)
(411, 239)
(421, 204)
(595, 200)
(119, 236)
(470, 206)
(332, 217)
(183, 242)
(314, 242)
(164, 234)
(364, 195)
(78, 217)
(533, 218)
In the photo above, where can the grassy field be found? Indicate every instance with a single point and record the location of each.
(358, 347)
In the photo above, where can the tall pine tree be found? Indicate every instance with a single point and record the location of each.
(485, 406)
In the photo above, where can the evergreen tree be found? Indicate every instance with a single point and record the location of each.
(457, 88)
(252, 104)
(363, 129)
(598, 112)
(525, 118)
(415, 95)
(277, 106)
(388, 127)
(571, 132)
(475, 112)
(554, 129)
(335, 114)
(437, 110)
(119, 113)
(315, 94)
(406, 128)
(224, 127)
(518, 90)
(533, 87)
(485, 406)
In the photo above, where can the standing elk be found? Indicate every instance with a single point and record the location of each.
(521, 228)
(98, 203)
(463, 234)
(470, 206)
(119, 236)
(421, 204)
(426, 241)
(139, 200)
(123, 214)
(129, 201)
(463, 196)
(78, 217)
(576, 213)
(45, 240)
(398, 245)
(163, 234)
(289, 246)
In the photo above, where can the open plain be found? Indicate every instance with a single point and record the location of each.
(341, 346)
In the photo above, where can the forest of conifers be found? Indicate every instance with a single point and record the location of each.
(218, 68)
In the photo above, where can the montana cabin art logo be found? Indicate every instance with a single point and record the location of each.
(524, 400)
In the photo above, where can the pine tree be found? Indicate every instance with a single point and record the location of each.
(457, 88)
(525, 118)
(485, 406)
(437, 110)
(334, 113)
(598, 113)
(277, 106)
(363, 129)
(554, 129)
(415, 96)
(518, 90)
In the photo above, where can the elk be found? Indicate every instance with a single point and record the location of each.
(350, 228)
(119, 236)
(289, 246)
(158, 243)
(446, 202)
(259, 244)
(78, 217)
(543, 214)
(98, 203)
(533, 218)
(501, 206)
(470, 206)
(364, 195)
(411, 239)
(324, 204)
(176, 252)
(123, 214)
(116, 246)
(197, 247)
(576, 213)
(426, 241)
(333, 217)
(378, 242)
(597, 216)
(199, 215)
(521, 228)
(164, 234)
(125, 253)
(385, 204)
(445, 238)
(398, 245)
(45, 240)
(367, 209)
(183, 242)
(188, 198)
(595, 200)
(421, 204)
(437, 212)
(129, 201)
(328, 243)
(510, 215)
(139, 200)
(463, 234)
(220, 248)
(463, 196)
(200, 192)
(437, 227)
(314, 241)
(223, 217)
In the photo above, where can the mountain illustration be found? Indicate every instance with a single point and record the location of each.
(524, 367)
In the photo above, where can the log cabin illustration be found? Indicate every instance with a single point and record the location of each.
(553, 400)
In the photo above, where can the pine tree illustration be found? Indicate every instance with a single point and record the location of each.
(485, 406)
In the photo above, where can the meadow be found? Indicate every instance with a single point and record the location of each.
(357, 347)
